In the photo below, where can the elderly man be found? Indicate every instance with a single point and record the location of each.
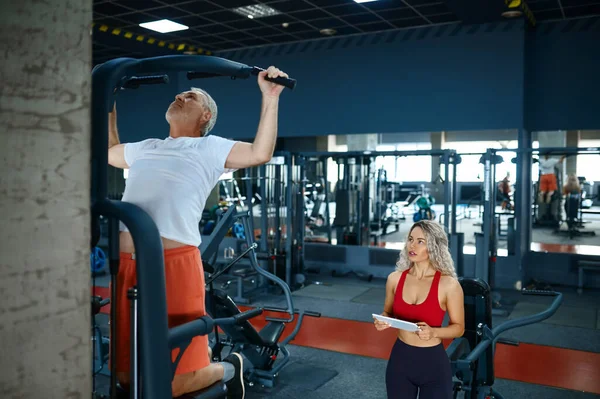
(170, 179)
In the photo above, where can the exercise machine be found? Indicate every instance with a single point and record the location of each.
(261, 347)
(573, 217)
(486, 241)
(152, 339)
(472, 355)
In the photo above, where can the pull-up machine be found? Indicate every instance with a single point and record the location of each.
(156, 340)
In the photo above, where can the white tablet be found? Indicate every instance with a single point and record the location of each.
(396, 323)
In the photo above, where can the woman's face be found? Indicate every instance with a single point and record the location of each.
(417, 246)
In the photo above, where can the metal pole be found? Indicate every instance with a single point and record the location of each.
(249, 197)
(447, 193)
(290, 227)
(523, 200)
(278, 208)
(454, 192)
(134, 390)
(487, 222)
(326, 191)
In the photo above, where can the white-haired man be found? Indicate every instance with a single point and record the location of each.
(170, 179)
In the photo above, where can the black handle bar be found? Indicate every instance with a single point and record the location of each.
(284, 310)
(240, 317)
(204, 325)
(136, 81)
(287, 82)
(509, 325)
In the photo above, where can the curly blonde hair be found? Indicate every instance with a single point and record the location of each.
(437, 247)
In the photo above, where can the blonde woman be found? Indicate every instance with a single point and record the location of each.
(572, 185)
(421, 290)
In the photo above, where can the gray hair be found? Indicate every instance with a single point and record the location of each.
(212, 107)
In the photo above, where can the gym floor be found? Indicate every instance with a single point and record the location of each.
(341, 355)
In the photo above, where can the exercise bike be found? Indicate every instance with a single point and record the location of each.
(265, 353)
(472, 355)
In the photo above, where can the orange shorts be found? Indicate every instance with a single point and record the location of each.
(548, 183)
(184, 277)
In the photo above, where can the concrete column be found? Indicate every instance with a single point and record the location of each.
(362, 142)
(436, 190)
(523, 202)
(45, 69)
(556, 138)
(323, 143)
(572, 141)
(437, 143)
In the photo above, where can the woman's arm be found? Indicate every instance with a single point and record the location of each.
(456, 312)
(388, 305)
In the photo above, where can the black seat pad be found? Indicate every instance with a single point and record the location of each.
(243, 333)
(271, 332)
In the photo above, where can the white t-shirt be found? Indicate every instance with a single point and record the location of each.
(547, 165)
(170, 179)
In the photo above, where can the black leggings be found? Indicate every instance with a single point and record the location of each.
(413, 368)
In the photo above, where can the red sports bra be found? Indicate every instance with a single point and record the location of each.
(429, 311)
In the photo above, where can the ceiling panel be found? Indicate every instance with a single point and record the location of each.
(214, 26)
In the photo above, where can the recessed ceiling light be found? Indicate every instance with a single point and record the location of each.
(328, 32)
(512, 14)
(363, 1)
(164, 26)
(256, 11)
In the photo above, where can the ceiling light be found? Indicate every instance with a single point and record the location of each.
(363, 1)
(163, 26)
(512, 14)
(328, 32)
(256, 11)
(285, 24)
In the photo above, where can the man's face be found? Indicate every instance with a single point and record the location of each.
(188, 107)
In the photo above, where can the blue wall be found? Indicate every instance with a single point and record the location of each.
(563, 76)
(452, 77)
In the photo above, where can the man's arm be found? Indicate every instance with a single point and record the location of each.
(244, 155)
(116, 151)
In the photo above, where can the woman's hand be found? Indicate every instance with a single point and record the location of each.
(380, 325)
(425, 332)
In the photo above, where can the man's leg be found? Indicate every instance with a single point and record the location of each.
(543, 189)
(184, 277)
(229, 371)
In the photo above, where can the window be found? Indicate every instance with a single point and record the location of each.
(414, 168)
(587, 164)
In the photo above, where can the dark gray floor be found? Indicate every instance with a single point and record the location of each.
(575, 326)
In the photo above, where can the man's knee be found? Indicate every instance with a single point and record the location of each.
(123, 379)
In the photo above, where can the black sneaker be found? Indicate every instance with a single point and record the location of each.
(235, 386)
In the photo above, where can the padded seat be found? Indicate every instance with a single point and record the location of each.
(271, 332)
(243, 272)
(243, 333)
